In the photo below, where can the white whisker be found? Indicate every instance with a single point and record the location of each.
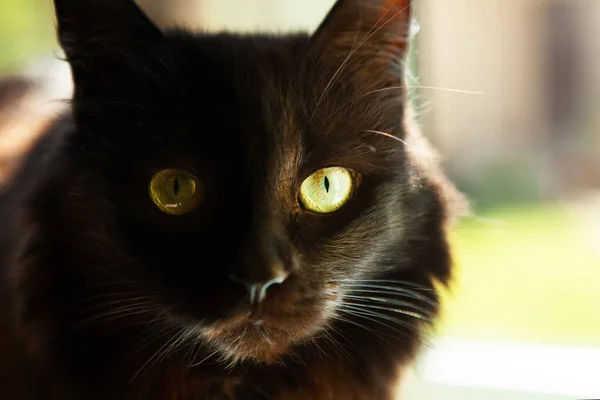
(158, 354)
(380, 319)
(387, 135)
(381, 289)
(405, 283)
(350, 321)
(195, 364)
(438, 88)
(394, 310)
(383, 300)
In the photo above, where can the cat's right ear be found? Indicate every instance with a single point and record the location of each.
(376, 33)
(98, 33)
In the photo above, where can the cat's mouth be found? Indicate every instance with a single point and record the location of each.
(262, 338)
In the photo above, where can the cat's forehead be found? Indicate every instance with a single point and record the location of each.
(280, 78)
(263, 106)
(270, 98)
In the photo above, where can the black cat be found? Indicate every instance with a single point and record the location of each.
(223, 216)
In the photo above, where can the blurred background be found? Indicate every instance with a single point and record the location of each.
(510, 96)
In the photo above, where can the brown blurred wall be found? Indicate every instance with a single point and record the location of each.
(166, 12)
(488, 46)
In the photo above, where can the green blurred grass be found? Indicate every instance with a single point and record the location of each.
(26, 29)
(527, 275)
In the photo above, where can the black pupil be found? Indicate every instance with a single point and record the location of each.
(176, 186)
(326, 184)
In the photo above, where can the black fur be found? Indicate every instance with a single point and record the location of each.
(83, 246)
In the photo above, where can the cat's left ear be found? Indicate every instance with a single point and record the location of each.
(377, 32)
(94, 33)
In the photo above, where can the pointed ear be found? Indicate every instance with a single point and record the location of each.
(375, 31)
(94, 33)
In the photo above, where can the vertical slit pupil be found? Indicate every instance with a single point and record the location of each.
(327, 184)
(176, 186)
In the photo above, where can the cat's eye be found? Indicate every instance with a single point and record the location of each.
(327, 190)
(175, 192)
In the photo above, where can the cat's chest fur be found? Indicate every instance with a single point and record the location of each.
(318, 379)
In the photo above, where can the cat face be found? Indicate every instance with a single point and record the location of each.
(231, 192)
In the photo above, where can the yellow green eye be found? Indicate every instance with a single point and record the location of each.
(327, 190)
(175, 192)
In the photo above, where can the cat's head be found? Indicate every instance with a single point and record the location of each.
(242, 192)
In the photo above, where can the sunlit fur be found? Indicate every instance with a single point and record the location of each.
(106, 297)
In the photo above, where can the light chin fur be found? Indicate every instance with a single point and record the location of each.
(238, 339)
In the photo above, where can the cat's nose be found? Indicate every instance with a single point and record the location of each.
(257, 291)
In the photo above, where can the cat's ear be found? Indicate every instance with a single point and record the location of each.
(97, 32)
(377, 32)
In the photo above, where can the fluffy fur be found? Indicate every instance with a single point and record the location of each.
(106, 297)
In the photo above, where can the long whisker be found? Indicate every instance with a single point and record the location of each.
(438, 88)
(125, 304)
(377, 319)
(387, 135)
(381, 289)
(315, 343)
(380, 318)
(147, 323)
(192, 351)
(404, 283)
(409, 87)
(158, 354)
(386, 286)
(112, 273)
(124, 312)
(350, 321)
(340, 347)
(115, 295)
(195, 364)
(153, 337)
(381, 293)
(389, 301)
(118, 299)
(183, 337)
(394, 310)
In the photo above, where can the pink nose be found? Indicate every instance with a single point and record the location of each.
(257, 291)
